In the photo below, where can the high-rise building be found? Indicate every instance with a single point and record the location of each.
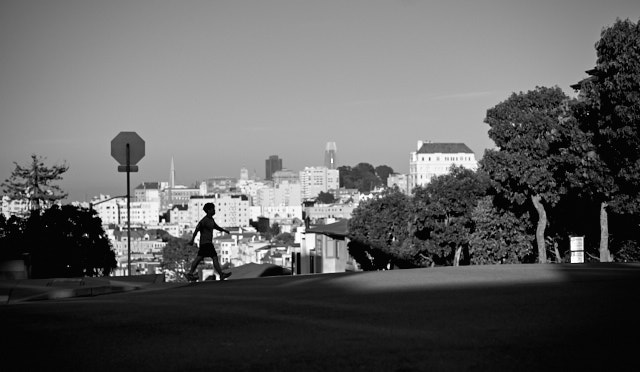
(231, 210)
(273, 164)
(283, 175)
(330, 153)
(244, 174)
(283, 194)
(314, 180)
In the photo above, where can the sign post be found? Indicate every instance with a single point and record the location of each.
(128, 148)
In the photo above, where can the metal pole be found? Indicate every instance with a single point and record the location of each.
(128, 216)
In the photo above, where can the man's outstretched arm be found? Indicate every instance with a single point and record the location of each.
(195, 232)
(222, 229)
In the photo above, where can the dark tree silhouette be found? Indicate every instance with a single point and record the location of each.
(67, 241)
(528, 129)
(609, 111)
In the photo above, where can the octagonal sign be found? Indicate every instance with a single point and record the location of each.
(119, 148)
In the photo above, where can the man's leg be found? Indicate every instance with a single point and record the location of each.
(194, 264)
(216, 265)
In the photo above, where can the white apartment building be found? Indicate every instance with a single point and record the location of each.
(282, 212)
(108, 209)
(179, 215)
(250, 188)
(217, 185)
(171, 228)
(114, 211)
(240, 249)
(227, 249)
(146, 253)
(19, 208)
(318, 179)
(400, 180)
(147, 192)
(255, 212)
(287, 217)
(244, 174)
(285, 175)
(343, 195)
(14, 207)
(180, 195)
(435, 159)
(142, 213)
(231, 210)
(283, 194)
(138, 246)
(329, 211)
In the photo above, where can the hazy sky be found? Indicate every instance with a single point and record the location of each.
(221, 85)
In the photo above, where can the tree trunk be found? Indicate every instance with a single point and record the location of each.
(456, 258)
(605, 255)
(542, 225)
(557, 253)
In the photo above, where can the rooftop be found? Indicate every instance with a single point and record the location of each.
(444, 148)
(338, 229)
(148, 186)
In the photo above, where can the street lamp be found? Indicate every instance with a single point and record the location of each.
(91, 204)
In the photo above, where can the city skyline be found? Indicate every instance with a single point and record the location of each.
(220, 86)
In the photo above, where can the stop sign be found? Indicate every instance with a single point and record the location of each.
(119, 148)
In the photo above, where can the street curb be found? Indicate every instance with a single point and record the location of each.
(18, 295)
(17, 291)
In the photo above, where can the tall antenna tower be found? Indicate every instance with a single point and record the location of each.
(330, 155)
(172, 177)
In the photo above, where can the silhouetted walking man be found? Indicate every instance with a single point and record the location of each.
(205, 227)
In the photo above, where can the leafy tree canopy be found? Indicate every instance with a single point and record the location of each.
(500, 236)
(177, 255)
(285, 238)
(533, 133)
(528, 130)
(326, 197)
(383, 172)
(363, 176)
(381, 233)
(443, 212)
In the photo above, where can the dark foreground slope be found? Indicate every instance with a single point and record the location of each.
(490, 318)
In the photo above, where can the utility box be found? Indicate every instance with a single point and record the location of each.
(13, 270)
(577, 249)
